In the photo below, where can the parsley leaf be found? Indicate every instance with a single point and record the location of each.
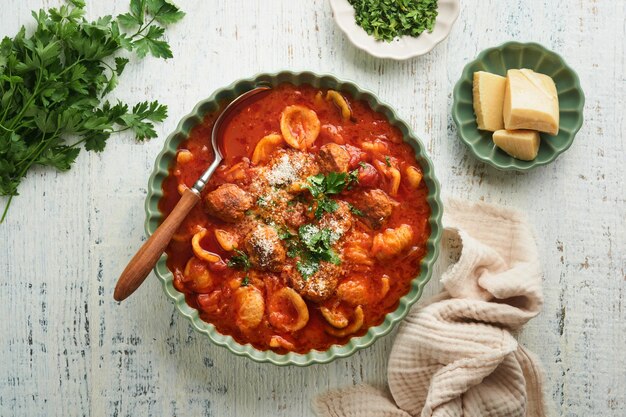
(325, 205)
(240, 261)
(317, 246)
(331, 183)
(151, 43)
(387, 161)
(312, 245)
(164, 12)
(356, 211)
(307, 268)
(335, 182)
(321, 186)
(51, 82)
(245, 281)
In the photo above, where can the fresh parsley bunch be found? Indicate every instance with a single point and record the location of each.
(388, 19)
(52, 84)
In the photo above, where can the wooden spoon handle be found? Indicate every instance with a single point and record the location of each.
(147, 256)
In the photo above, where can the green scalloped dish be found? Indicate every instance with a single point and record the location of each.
(154, 218)
(498, 60)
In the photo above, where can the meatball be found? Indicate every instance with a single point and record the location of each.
(339, 221)
(228, 202)
(295, 215)
(265, 249)
(333, 158)
(320, 286)
(376, 207)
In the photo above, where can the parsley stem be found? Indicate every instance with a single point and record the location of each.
(23, 171)
(30, 100)
(88, 137)
(141, 29)
(6, 111)
(6, 208)
(32, 152)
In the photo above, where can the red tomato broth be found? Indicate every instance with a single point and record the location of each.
(242, 133)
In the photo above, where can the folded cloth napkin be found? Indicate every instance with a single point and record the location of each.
(455, 355)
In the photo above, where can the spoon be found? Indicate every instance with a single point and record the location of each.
(147, 256)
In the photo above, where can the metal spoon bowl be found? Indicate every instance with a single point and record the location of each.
(143, 262)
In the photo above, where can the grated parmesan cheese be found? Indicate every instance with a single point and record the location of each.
(285, 171)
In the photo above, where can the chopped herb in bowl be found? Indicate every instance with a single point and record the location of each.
(386, 20)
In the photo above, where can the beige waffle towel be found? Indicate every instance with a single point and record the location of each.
(456, 355)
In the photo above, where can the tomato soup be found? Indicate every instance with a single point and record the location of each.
(311, 229)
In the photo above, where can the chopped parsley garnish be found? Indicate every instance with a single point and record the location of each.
(283, 232)
(240, 261)
(321, 186)
(312, 246)
(332, 183)
(261, 202)
(387, 161)
(353, 178)
(307, 268)
(356, 211)
(386, 20)
(325, 205)
(245, 281)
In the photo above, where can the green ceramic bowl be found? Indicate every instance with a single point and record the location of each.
(498, 60)
(154, 217)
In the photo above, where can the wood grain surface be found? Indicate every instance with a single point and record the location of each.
(69, 350)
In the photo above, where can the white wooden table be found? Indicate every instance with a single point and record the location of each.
(68, 349)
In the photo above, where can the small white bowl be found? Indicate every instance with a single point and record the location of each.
(400, 48)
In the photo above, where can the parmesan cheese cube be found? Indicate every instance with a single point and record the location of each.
(520, 144)
(530, 102)
(488, 91)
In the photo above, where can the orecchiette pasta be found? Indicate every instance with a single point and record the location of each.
(250, 307)
(340, 102)
(413, 176)
(354, 291)
(334, 317)
(281, 304)
(265, 147)
(357, 250)
(299, 126)
(197, 276)
(395, 177)
(353, 327)
(391, 242)
(199, 251)
(375, 147)
(392, 174)
(227, 240)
